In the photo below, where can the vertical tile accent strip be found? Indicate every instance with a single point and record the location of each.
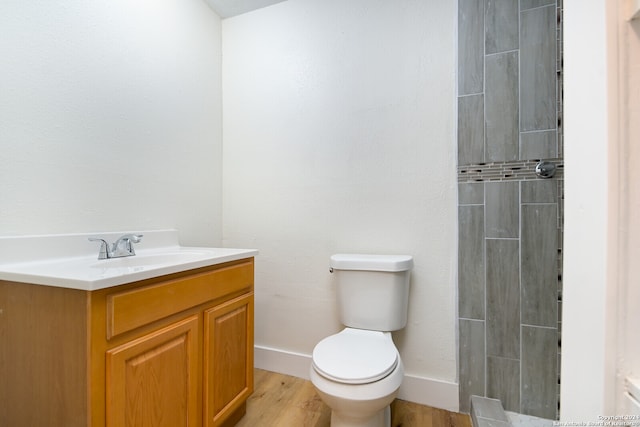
(539, 265)
(501, 107)
(471, 356)
(503, 298)
(538, 103)
(470, 46)
(539, 371)
(503, 381)
(502, 209)
(470, 129)
(501, 25)
(471, 262)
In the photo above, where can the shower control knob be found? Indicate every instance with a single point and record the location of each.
(545, 169)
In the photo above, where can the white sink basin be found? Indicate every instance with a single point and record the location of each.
(154, 259)
(28, 260)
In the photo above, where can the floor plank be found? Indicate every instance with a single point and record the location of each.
(284, 401)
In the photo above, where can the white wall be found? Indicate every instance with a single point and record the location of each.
(600, 344)
(628, 181)
(110, 117)
(591, 211)
(339, 124)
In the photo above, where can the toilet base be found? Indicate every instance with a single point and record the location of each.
(381, 418)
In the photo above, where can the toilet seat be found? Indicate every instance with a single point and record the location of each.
(355, 356)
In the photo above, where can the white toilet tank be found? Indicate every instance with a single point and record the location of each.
(372, 290)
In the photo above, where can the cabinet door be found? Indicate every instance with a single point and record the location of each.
(228, 359)
(153, 381)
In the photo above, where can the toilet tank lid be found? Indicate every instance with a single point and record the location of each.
(371, 262)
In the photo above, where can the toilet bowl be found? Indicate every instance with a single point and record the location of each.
(357, 373)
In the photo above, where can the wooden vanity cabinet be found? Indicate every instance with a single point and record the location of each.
(165, 352)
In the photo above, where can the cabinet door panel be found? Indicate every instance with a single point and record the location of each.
(228, 358)
(152, 381)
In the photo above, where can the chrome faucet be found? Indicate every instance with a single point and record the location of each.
(120, 248)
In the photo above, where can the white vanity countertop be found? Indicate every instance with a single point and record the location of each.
(71, 260)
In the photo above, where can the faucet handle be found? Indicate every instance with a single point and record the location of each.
(134, 238)
(124, 245)
(104, 247)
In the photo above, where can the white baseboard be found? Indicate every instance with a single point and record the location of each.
(430, 392)
(282, 361)
(425, 391)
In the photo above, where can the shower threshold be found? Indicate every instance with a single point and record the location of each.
(486, 412)
(521, 420)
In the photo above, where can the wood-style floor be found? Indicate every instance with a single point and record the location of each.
(285, 401)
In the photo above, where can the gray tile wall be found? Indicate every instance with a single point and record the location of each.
(471, 46)
(510, 221)
(501, 106)
(538, 68)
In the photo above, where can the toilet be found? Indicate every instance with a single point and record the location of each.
(358, 371)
